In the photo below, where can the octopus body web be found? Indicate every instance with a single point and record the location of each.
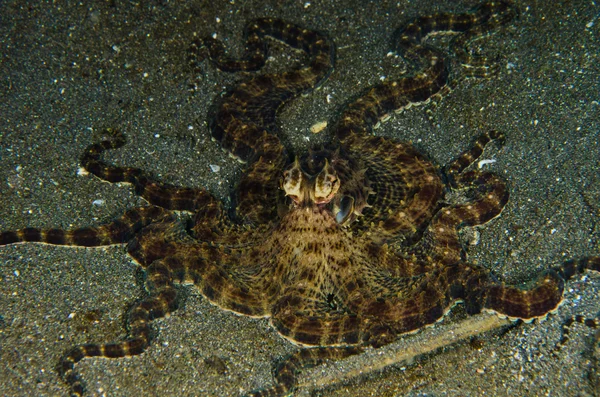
(342, 248)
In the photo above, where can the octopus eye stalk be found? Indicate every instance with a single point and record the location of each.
(326, 184)
(292, 181)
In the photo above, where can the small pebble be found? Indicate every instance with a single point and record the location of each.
(318, 127)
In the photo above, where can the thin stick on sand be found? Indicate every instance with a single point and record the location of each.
(404, 350)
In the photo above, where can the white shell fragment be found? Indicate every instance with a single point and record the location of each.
(481, 163)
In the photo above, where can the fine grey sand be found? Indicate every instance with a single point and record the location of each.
(70, 69)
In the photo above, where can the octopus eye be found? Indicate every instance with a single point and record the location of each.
(326, 184)
(344, 210)
(291, 182)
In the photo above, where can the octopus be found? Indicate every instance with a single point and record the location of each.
(345, 247)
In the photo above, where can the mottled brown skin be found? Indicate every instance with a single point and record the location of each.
(310, 244)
